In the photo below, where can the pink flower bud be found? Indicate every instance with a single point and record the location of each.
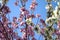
(16, 3)
(32, 15)
(32, 7)
(37, 15)
(22, 9)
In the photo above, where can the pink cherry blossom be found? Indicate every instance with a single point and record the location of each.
(24, 36)
(14, 25)
(26, 24)
(22, 23)
(33, 38)
(22, 9)
(14, 19)
(20, 19)
(32, 6)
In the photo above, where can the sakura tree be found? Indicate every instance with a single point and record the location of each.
(26, 19)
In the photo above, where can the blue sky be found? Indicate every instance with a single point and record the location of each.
(40, 9)
(15, 10)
